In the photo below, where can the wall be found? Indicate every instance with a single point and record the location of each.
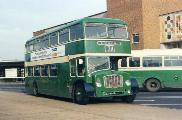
(143, 16)
(152, 9)
(131, 12)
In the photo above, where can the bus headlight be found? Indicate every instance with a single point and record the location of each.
(128, 82)
(98, 83)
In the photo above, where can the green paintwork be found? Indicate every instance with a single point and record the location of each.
(83, 21)
(63, 84)
(167, 78)
(91, 46)
(100, 90)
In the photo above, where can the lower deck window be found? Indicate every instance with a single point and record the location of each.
(45, 70)
(30, 71)
(53, 70)
(37, 71)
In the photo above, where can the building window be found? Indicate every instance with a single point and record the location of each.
(136, 38)
(168, 36)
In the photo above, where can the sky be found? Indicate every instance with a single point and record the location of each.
(20, 18)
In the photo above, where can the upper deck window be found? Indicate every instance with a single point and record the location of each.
(45, 41)
(95, 30)
(64, 36)
(29, 46)
(37, 44)
(117, 31)
(54, 38)
(76, 32)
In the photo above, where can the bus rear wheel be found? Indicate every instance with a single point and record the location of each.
(153, 85)
(80, 96)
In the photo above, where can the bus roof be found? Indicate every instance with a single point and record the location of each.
(156, 52)
(83, 20)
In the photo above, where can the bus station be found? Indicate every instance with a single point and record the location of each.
(11, 70)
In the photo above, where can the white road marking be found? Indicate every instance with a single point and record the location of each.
(162, 104)
(144, 100)
(168, 97)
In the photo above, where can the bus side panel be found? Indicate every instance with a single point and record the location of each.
(166, 77)
(92, 46)
(57, 85)
(172, 78)
(30, 81)
(29, 85)
(64, 79)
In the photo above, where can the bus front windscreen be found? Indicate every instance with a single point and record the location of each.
(98, 63)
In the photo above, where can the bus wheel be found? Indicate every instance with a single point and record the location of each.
(80, 95)
(35, 90)
(153, 85)
(129, 99)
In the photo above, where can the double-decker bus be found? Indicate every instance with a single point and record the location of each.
(79, 60)
(155, 69)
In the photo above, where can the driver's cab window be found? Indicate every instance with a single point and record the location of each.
(77, 67)
(80, 66)
(73, 67)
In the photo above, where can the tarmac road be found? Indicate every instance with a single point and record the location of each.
(169, 99)
(21, 106)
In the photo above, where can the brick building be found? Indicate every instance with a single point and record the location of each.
(153, 24)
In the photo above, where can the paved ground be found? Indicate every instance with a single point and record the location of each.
(20, 106)
(17, 105)
(169, 99)
(12, 86)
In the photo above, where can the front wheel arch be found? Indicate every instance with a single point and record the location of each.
(81, 98)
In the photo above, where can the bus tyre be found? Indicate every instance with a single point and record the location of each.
(128, 99)
(80, 95)
(153, 85)
(35, 90)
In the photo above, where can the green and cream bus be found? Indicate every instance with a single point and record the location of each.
(155, 68)
(79, 60)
